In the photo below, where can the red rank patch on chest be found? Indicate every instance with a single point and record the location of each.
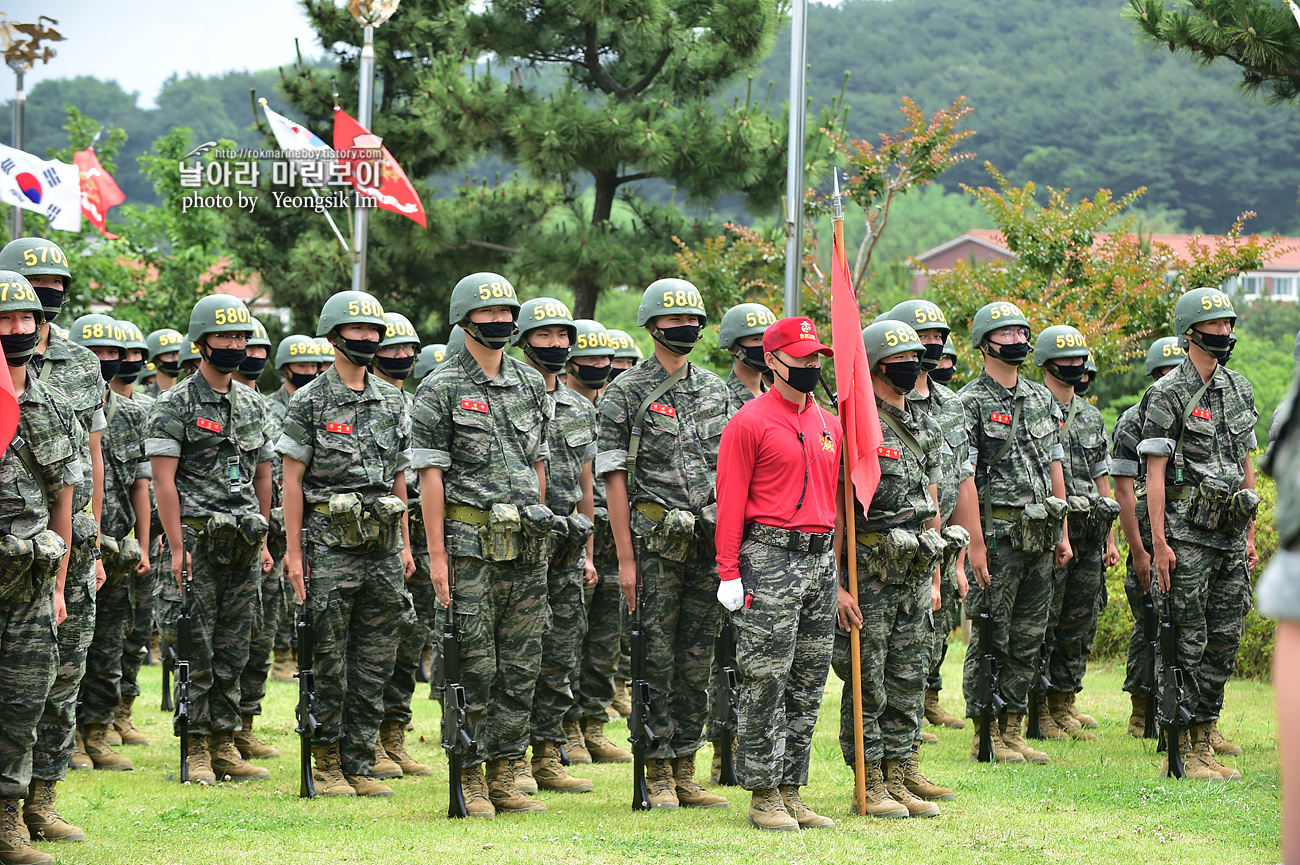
(665, 410)
(892, 453)
(210, 425)
(1202, 413)
(345, 428)
(474, 405)
(998, 417)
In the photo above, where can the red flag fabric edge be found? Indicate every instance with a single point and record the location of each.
(99, 191)
(862, 434)
(394, 190)
(8, 404)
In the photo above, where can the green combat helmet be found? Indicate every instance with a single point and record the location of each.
(949, 349)
(742, 320)
(352, 307)
(218, 313)
(479, 291)
(326, 352)
(1204, 304)
(252, 367)
(922, 315)
(163, 341)
(398, 330)
(1164, 352)
(1057, 342)
(545, 312)
(429, 359)
(36, 256)
(593, 341)
(884, 339)
(100, 331)
(672, 297)
(990, 317)
(190, 356)
(624, 345)
(17, 295)
(455, 342)
(297, 348)
(260, 336)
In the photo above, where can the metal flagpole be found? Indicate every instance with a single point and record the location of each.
(22, 48)
(361, 214)
(794, 164)
(20, 104)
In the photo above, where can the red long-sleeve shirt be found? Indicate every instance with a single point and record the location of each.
(761, 467)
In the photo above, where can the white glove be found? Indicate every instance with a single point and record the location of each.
(731, 594)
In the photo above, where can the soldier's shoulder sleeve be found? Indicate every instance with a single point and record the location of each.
(54, 428)
(297, 433)
(1161, 413)
(430, 418)
(613, 429)
(165, 429)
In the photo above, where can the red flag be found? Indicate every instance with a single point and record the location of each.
(857, 399)
(98, 191)
(8, 404)
(391, 189)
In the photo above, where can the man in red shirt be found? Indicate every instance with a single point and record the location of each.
(778, 511)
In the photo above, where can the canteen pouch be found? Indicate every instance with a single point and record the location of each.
(1079, 513)
(386, 514)
(957, 539)
(252, 530)
(84, 530)
(890, 560)
(674, 537)
(1104, 512)
(276, 539)
(930, 547)
(500, 537)
(706, 526)
(343, 530)
(1054, 531)
(571, 543)
(221, 541)
(1208, 506)
(15, 569)
(1241, 510)
(537, 538)
(1029, 530)
(129, 555)
(48, 550)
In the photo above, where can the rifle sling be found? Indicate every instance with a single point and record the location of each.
(908, 439)
(24, 451)
(634, 444)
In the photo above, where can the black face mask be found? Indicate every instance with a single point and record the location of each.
(51, 301)
(359, 351)
(493, 334)
(902, 374)
(678, 340)
(551, 358)
(395, 367)
(129, 369)
(616, 371)
(1223, 361)
(170, 368)
(18, 347)
(1082, 386)
(933, 354)
(252, 367)
(226, 360)
(753, 358)
(802, 378)
(1013, 354)
(1215, 344)
(301, 379)
(1071, 375)
(108, 368)
(593, 377)
(943, 375)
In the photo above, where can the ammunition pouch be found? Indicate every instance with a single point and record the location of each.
(957, 539)
(15, 569)
(1104, 513)
(276, 539)
(930, 547)
(85, 531)
(705, 528)
(251, 532)
(892, 557)
(1241, 511)
(1079, 514)
(571, 540)
(1039, 527)
(1209, 504)
(384, 519)
(538, 537)
(48, 550)
(500, 537)
(120, 557)
(219, 539)
(674, 536)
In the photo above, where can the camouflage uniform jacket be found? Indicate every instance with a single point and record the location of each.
(412, 476)
(1283, 463)
(1217, 438)
(1124, 440)
(1085, 449)
(124, 462)
(572, 438)
(74, 369)
(47, 422)
(1023, 476)
(350, 442)
(943, 406)
(203, 428)
(902, 500)
(678, 455)
(278, 401)
(737, 392)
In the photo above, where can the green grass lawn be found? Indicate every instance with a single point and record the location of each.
(1097, 802)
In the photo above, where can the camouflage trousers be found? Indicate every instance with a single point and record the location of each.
(135, 648)
(947, 617)
(29, 657)
(561, 650)
(286, 635)
(783, 653)
(895, 647)
(1072, 617)
(361, 612)
(598, 659)
(502, 613)
(101, 689)
(56, 732)
(1020, 593)
(222, 600)
(401, 685)
(269, 590)
(1136, 643)
(1210, 589)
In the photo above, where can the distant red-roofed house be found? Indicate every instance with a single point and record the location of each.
(250, 291)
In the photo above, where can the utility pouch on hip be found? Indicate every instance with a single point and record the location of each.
(930, 547)
(1241, 510)
(538, 528)
(890, 560)
(500, 537)
(571, 543)
(674, 537)
(48, 550)
(957, 539)
(1104, 512)
(252, 530)
(129, 555)
(386, 516)
(85, 531)
(15, 569)
(1029, 531)
(276, 540)
(1208, 507)
(1079, 513)
(705, 528)
(1055, 528)
(221, 540)
(344, 528)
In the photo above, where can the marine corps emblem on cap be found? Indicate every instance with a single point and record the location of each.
(806, 327)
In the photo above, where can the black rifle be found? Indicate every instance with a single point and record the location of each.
(1151, 637)
(306, 677)
(456, 740)
(1174, 714)
(640, 735)
(1039, 687)
(987, 699)
(726, 702)
(184, 646)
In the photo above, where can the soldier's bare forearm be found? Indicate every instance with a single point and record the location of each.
(433, 506)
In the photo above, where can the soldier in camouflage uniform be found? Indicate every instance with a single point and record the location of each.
(429, 358)
(1077, 592)
(1126, 468)
(626, 356)
(211, 460)
(125, 518)
(394, 361)
(657, 510)
(164, 353)
(480, 428)
(326, 353)
(35, 531)
(546, 335)
(1198, 428)
(1017, 533)
(346, 446)
(741, 335)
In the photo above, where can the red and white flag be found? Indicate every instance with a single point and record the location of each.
(391, 189)
(8, 405)
(98, 190)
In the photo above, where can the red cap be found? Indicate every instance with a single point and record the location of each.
(796, 337)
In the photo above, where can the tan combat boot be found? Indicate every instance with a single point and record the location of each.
(367, 785)
(1217, 743)
(112, 738)
(102, 756)
(384, 768)
(43, 822)
(689, 792)
(1086, 721)
(1059, 706)
(198, 763)
(622, 698)
(1002, 753)
(1201, 744)
(80, 759)
(522, 771)
(806, 817)
(155, 649)
(250, 747)
(226, 762)
(601, 749)
(1046, 723)
(928, 738)
(660, 783)
(937, 715)
(897, 790)
(126, 730)
(392, 738)
(505, 795)
(575, 746)
(549, 774)
(918, 784)
(283, 666)
(879, 802)
(767, 810)
(474, 788)
(14, 848)
(1137, 721)
(1193, 767)
(1010, 728)
(328, 774)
